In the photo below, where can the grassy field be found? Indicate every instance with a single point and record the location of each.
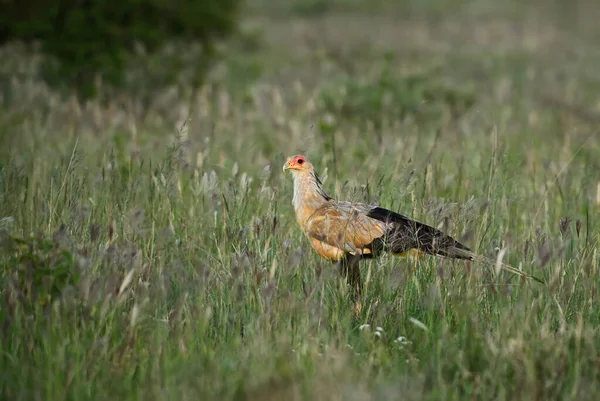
(151, 252)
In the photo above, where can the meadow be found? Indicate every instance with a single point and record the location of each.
(150, 250)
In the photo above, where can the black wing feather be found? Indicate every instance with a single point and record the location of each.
(406, 234)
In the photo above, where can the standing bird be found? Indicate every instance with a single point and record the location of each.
(347, 232)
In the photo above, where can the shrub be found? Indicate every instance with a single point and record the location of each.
(35, 271)
(85, 39)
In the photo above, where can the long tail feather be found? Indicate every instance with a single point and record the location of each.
(405, 234)
(465, 254)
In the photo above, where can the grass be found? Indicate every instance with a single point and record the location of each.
(154, 254)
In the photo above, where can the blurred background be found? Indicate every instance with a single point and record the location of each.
(309, 68)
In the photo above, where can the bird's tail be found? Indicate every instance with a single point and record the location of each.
(405, 235)
(461, 253)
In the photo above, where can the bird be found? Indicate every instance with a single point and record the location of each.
(348, 232)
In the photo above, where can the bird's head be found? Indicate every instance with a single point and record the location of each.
(298, 164)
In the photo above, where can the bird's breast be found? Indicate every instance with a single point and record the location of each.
(326, 251)
(333, 253)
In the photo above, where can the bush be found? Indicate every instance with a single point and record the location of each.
(35, 271)
(85, 39)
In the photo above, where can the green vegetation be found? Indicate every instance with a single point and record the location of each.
(84, 41)
(152, 252)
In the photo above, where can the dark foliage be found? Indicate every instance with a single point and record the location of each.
(86, 38)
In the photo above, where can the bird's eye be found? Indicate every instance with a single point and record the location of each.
(300, 161)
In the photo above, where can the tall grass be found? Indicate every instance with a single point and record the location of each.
(148, 256)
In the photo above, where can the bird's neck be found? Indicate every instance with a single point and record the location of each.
(308, 195)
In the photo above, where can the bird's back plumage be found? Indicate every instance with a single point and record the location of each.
(346, 226)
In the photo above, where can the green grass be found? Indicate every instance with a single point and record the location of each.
(145, 256)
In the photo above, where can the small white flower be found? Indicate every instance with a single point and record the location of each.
(364, 326)
(379, 329)
(402, 341)
(377, 333)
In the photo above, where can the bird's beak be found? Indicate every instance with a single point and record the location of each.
(286, 165)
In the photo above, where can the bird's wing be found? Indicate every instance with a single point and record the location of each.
(345, 226)
(404, 234)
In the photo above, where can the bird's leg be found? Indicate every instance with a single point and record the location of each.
(349, 268)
